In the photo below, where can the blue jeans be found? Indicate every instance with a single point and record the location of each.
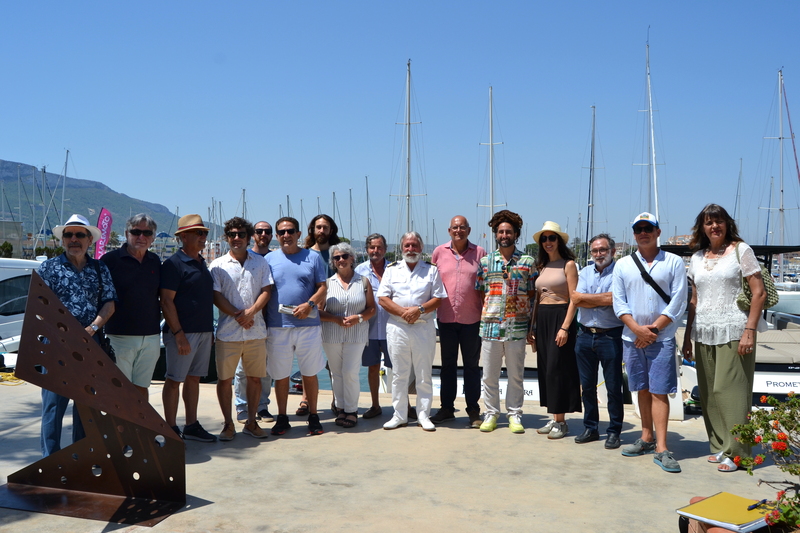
(592, 349)
(451, 336)
(53, 408)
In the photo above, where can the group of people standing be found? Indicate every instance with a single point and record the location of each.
(316, 304)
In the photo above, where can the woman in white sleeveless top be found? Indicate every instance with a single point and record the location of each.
(345, 330)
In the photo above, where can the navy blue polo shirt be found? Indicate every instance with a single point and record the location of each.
(138, 311)
(194, 291)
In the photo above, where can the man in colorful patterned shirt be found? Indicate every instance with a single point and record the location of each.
(505, 284)
(85, 287)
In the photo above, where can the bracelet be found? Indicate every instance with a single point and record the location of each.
(749, 329)
(176, 332)
(564, 329)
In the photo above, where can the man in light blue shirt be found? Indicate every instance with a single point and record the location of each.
(651, 320)
(599, 342)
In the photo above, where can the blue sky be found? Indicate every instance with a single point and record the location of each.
(179, 102)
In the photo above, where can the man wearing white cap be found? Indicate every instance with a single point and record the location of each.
(649, 296)
(85, 287)
(187, 300)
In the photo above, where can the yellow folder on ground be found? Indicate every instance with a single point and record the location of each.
(729, 511)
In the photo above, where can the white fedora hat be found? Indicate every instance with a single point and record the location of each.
(77, 220)
(555, 228)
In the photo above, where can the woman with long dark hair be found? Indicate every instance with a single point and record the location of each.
(724, 336)
(556, 329)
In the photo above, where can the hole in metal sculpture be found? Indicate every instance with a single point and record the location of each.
(62, 327)
(43, 339)
(120, 428)
(39, 317)
(96, 471)
(160, 441)
(77, 356)
(44, 300)
(90, 390)
(64, 480)
(75, 456)
(116, 382)
(40, 369)
(127, 451)
(136, 476)
(61, 363)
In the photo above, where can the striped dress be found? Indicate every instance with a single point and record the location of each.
(346, 302)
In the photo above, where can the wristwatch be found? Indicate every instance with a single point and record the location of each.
(421, 309)
(312, 304)
(360, 318)
(94, 327)
(654, 330)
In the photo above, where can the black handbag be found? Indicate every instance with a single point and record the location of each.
(105, 342)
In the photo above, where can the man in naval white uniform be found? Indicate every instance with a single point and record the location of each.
(410, 291)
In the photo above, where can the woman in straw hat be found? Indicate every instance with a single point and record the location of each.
(559, 383)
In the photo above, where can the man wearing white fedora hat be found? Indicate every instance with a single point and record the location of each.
(187, 300)
(85, 287)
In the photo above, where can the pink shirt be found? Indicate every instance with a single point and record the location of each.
(459, 273)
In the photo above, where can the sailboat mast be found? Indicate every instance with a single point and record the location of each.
(369, 230)
(351, 216)
(408, 146)
(63, 187)
(590, 206)
(737, 203)
(491, 144)
(780, 182)
(652, 141)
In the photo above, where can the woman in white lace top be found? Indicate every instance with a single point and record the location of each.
(724, 336)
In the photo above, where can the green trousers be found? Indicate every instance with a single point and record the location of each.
(725, 379)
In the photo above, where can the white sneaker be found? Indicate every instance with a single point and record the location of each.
(547, 428)
(425, 423)
(395, 422)
(559, 431)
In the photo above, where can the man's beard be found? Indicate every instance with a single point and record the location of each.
(411, 257)
(505, 242)
(321, 238)
(605, 262)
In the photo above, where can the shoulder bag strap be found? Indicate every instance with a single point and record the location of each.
(649, 279)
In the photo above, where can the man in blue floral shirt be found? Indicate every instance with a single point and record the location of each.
(73, 276)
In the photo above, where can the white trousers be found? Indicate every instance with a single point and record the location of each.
(492, 353)
(344, 360)
(411, 347)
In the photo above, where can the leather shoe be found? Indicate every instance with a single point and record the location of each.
(587, 436)
(612, 441)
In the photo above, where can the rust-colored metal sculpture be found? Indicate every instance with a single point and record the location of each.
(131, 467)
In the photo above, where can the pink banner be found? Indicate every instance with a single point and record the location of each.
(104, 223)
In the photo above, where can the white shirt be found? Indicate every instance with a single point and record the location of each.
(346, 302)
(409, 288)
(241, 285)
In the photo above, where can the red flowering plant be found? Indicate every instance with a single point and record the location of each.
(777, 429)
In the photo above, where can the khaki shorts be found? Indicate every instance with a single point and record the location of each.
(252, 353)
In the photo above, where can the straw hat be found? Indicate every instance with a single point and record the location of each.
(553, 227)
(190, 222)
(77, 220)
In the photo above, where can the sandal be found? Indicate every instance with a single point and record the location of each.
(716, 458)
(302, 410)
(340, 417)
(727, 465)
(372, 412)
(351, 420)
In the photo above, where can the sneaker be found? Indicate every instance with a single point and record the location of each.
(254, 430)
(547, 428)
(559, 431)
(228, 432)
(281, 426)
(445, 413)
(489, 423)
(241, 417)
(639, 447)
(177, 431)
(264, 416)
(196, 432)
(515, 424)
(395, 422)
(475, 420)
(667, 462)
(314, 427)
(425, 423)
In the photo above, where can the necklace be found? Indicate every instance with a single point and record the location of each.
(709, 259)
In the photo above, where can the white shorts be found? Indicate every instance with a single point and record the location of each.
(284, 343)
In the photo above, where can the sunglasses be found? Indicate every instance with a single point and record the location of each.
(137, 232)
(67, 235)
(343, 257)
(259, 231)
(290, 231)
(647, 228)
(236, 234)
(550, 238)
(199, 232)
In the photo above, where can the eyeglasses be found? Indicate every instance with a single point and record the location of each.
(647, 228)
(551, 238)
(67, 235)
(343, 257)
(457, 228)
(259, 231)
(236, 234)
(290, 231)
(137, 232)
(595, 251)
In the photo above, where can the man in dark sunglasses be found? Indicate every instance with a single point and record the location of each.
(262, 238)
(73, 277)
(134, 329)
(649, 290)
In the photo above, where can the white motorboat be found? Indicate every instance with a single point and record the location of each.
(15, 280)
